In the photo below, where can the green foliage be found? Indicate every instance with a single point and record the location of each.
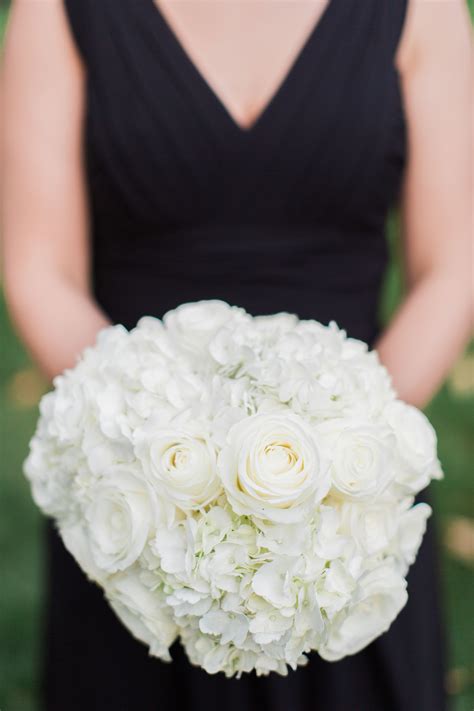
(3, 21)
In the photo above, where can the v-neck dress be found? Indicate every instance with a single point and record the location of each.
(288, 215)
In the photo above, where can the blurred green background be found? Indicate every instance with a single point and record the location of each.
(451, 412)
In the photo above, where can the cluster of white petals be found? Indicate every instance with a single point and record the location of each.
(244, 484)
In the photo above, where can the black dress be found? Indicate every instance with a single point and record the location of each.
(286, 216)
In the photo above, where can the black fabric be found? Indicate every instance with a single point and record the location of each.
(287, 216)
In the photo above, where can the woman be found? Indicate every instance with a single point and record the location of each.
(157, 153)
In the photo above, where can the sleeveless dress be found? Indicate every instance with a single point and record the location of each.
(286, 216)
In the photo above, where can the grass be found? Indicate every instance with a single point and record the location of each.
(452, 413)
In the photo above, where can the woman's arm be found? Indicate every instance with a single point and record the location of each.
(434, 321)
(43, 207)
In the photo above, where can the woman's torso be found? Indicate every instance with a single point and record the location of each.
(289, 215)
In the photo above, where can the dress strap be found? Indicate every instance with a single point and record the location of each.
(79, 17)
(396, 12)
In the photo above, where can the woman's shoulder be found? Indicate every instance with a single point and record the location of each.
(55, 19)
(432, 29)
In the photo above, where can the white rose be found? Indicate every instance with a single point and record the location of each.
(193, 325)
(362, 457)
(271, 468)
(143, 612)
(380, 597)
(180, 464)
(119, 517)
(417, 446)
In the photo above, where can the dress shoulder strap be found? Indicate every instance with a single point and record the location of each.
(79, 17)
(396, 12)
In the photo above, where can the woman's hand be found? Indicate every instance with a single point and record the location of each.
(44, 214)
(434, 322)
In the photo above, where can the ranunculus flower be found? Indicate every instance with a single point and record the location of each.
(271, 468)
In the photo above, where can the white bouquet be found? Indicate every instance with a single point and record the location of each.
(245, 484)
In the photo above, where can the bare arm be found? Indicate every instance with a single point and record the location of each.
(435, 319)
(43, 207)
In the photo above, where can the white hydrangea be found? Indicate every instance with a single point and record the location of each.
(243, 484)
